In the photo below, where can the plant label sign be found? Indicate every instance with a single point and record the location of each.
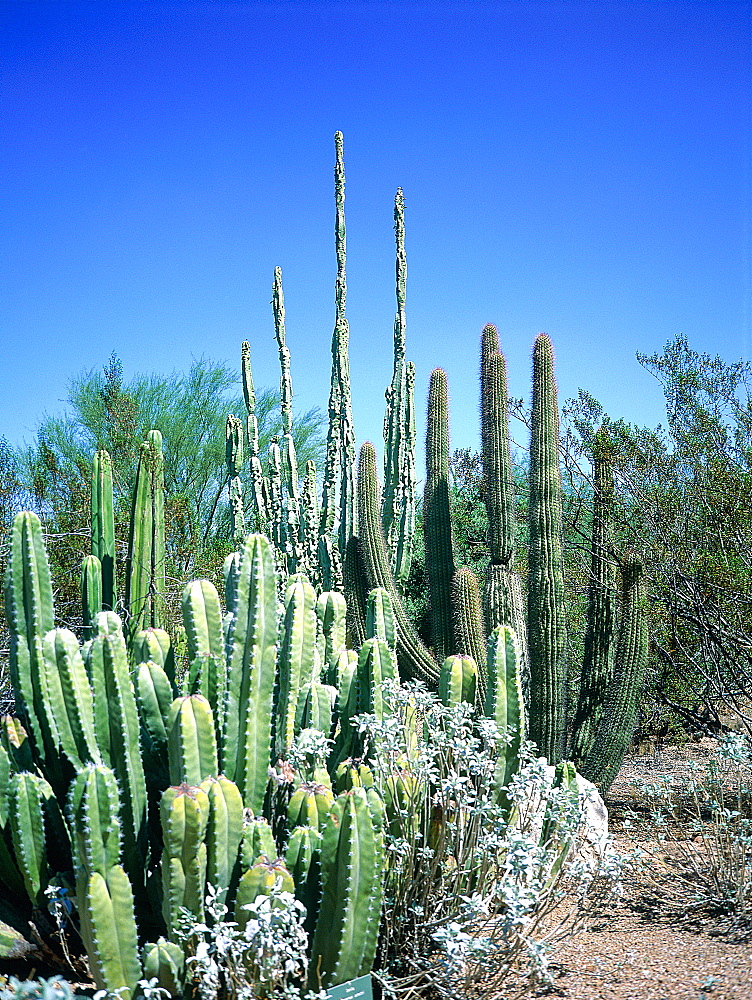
(356, 989)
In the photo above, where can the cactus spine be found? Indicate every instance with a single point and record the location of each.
(547, 636)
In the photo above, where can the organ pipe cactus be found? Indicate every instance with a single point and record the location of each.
(437, 526)
(503, 597)
(547, 634)
(504, 701)
(458, 680)
(296, 659)
(468, 624)
(184, 810)
(91, 591)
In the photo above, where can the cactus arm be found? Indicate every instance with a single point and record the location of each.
(380, 617)
(27, 831)
(234, 460)
(468, 624)
(224, 831)
(412, 655)
(184, 812)
(376, 664)
(458, 680)
(331, 610)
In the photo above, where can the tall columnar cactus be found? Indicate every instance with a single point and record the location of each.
(91, 591)
(352, 866)
(547, 636)
(260, 513)
(598, 659)
(296, 659)
(469, 639)
(413, 657)
(503, 598)
(398, 500)
(234, 459)
(504, 701)
(146, 547)
(338, 521)
(103, 527)
(184, 810)
(458, 681)
(251, 663)
(617, 721)
(105, 896)
(437, 525)
(30, 615)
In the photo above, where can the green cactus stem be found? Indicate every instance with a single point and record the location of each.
(437, 527)
(547, 635)
(191, 742)
(338, 514)
(504, 701)
(224, 832)
(303, 861)
(398, 501)
(618, 719)
(164, 961)
(30, 615)
(380, 623)
(352, 861)
(296, 657)
(234, 459)
(458, 680)
(260, 880)
(598, 659)
(414, 659)
(108, 929)
(503, 597)
(184, 811)
(146, 552)
(103, 527)
(331, 611)
(91, 592)
(468, 624)
(251, 667)
(68, 697)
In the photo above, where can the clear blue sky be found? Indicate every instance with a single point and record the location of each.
(578, 167)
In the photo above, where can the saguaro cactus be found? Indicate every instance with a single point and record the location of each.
(546, 619)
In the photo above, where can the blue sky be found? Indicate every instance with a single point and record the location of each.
(578, 167)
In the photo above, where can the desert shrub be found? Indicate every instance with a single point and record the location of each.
(701, 821)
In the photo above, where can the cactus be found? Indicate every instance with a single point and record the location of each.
(398, 500)
(458, 680)
(191, 742)
(164, 961)
(224, 832)
(504, 701)
(259, 880)
(380, 617)
(437, 526)
(103, 527)
(184, 811)
(146, 552)
(91, 592)
(503, 599)
(338, 521)
(251, 663)
(547, 636)
(234, 460)
(331, 610)
(352, 857)
(414, 659)
(296, 657)
(468, 624)
(617, 721)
